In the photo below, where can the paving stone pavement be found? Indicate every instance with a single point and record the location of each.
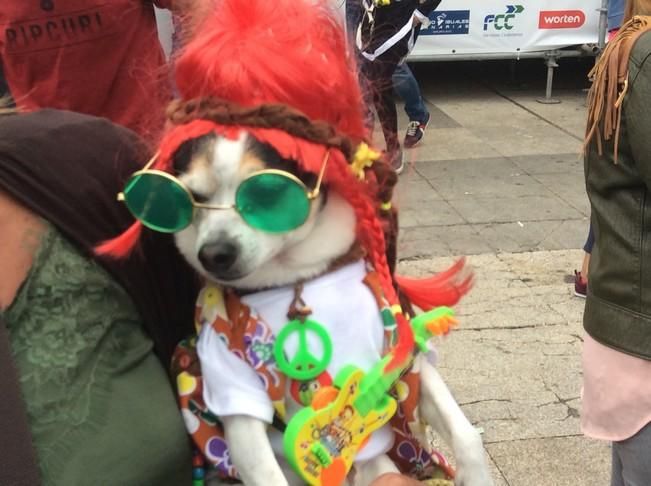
(499, 178)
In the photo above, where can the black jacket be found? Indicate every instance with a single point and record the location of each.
(618, 306)
(390, 27)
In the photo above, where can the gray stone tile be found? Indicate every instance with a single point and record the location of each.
(438, 118)
(410, 174)
(580, 202)
(569, 187)
(534, 235)
(502, 210)
(414, 193)
(517, 382)
(570, 114)
(450, 144)
(528, 139)
(510, 184)
(460, 90)
(569, 163)
(545, 268)
(433, 213)
(430, 241)
(472, 167)
(483, 109)
(553, 461)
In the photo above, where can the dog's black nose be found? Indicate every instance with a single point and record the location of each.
(219, 257)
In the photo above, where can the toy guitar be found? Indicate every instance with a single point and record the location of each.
(322, 440)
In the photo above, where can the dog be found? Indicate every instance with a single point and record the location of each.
(227, 251)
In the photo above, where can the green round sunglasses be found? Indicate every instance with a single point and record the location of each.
(270, 200)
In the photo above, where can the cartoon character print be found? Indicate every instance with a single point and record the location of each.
(303, 392)
(336, 435)
(416, 457)
(258, 352)
(216, 451)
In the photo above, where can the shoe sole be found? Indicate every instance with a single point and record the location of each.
(579, 295)
(398, 170)
(429, 119)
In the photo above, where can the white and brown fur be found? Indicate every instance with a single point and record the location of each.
(224, 249)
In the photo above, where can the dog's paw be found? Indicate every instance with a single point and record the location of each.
(473, 472)
(473, 476)
(472, 467)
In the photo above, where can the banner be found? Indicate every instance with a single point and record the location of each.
(462, 27)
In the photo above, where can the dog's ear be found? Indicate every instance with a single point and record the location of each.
(186, 151)
(273, 160)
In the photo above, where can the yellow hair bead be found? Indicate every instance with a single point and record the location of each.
(386, 206)
(363, 158)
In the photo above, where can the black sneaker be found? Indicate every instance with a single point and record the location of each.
(397, 160)
(415, 132)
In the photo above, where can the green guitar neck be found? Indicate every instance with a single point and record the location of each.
(378, 382)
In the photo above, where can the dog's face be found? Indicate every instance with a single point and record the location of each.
(224, 248)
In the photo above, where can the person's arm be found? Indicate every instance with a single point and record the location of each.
(184, 7)
(638, 119)
(426, 7)
(22, 231)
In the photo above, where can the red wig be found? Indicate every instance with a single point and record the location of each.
(289, 52)
(279, 51)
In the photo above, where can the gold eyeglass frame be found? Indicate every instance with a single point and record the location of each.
(311, 194)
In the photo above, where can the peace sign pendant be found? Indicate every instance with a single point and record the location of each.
(303, 365)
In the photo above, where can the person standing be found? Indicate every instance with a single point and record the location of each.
(404, 81)
(386, 34)
(617, 318)
(90, 339)
(89, 56)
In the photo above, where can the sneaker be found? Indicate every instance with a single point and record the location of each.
(580, 285)
(415, 132)
(397, 160)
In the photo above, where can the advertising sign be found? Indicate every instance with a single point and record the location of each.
(465, 27)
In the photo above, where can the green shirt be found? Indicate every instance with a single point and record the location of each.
(101, 408)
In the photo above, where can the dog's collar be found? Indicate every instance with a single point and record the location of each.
(354, 254)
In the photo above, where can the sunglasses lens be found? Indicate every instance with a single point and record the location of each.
(157, 202)
(273, 203)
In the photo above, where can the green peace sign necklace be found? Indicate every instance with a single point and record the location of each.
(303, 365)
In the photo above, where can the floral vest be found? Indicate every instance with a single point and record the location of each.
(252, 340)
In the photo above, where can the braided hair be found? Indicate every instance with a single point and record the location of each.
(280, 71)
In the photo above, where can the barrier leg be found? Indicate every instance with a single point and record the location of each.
(551, 63)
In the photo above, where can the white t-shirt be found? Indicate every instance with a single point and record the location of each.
(342, 303)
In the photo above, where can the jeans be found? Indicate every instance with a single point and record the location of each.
(407, 88)
(354, 12)
(378, 92)
(615, 13)
(589, 243)
(631, 466)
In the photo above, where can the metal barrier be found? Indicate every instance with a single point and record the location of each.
(550, 57)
